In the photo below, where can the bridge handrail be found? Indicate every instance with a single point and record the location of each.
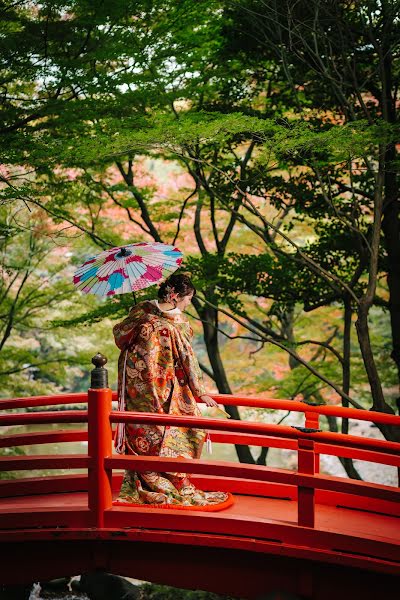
(255, 428)
(43, 417)
(210, 468)
(255, 473)
(318, 409)
(54, 400)
(227, 400)
(251, 427)
(218, 436)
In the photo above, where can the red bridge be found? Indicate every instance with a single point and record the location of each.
(296, 532)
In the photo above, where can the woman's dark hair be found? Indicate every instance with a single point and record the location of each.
(179, 284)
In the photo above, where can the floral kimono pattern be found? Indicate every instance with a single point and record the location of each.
(160, 373)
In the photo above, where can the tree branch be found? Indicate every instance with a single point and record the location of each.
(292, 353)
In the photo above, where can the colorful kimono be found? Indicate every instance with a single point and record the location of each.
(158, 372)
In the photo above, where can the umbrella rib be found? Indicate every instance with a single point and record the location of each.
(99, 261)
(113, 269)
(135, 272)
(92, 280)
(159, 263)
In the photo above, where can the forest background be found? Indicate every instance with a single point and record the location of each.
(257, 136)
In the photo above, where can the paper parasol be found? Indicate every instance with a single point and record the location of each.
(127, 268)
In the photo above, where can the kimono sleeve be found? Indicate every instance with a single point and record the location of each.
(124, 331)
(191, 367)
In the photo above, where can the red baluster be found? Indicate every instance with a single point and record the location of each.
(312, 421)
(306, 495)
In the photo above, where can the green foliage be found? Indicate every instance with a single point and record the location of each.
(152, 591)
(11, 451)
(90, 89)
(117, 307)
(164, 132)
(35, 287)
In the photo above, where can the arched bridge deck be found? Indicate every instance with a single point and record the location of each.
(298, 531)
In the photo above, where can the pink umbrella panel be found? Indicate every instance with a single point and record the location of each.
(127, 269)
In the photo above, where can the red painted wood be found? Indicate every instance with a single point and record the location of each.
(255, 428)
(284, 531)
(228, 400)
(359, 454)
(341, 485)
(249, 573)
(39, 437)
(374, 506)
(8, 403)
(268, 489)
(226, 437)
(291, 405)
(246, 487)
(79, 483)
(29, 486)
(65, 416)
(305, 494)
(19, 518)
(99, 448)
(312, 421)
(269, 503)
(254, 472)
(218, 436)
(251, 519)
(59, 461)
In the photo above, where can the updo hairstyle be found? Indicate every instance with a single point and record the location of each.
(179, 284)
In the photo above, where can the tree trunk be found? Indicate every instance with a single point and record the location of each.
(378, 400)
(346, 462)
(391, 208)
(287, 320)
(366, 301)
(262, 457)
(391, 231)
(209, 317)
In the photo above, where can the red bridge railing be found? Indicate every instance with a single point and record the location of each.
(309, 442)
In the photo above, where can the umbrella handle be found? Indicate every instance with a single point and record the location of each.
(134, 298)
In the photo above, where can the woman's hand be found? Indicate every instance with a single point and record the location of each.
(208, 400)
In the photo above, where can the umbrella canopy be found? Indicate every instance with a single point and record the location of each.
(127, 269)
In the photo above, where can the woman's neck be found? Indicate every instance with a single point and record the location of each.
(166, 305)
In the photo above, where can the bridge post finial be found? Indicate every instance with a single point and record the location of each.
(99, 375)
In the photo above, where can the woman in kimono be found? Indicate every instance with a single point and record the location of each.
(158, 372)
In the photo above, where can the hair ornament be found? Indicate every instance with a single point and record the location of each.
(170, 295)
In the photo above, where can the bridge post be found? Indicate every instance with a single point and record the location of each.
(99, 441)
(306, 495)
(312, 421)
